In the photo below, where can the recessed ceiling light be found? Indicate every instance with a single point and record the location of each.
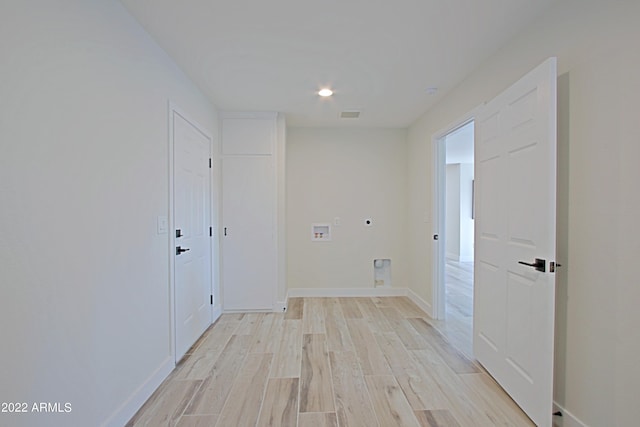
(325, 92)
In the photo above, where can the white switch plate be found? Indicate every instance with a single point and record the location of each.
(163, 225)
(337, 221)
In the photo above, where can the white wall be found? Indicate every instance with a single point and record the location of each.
(452, 212)
(84, 295)
(597, 343)
(351, 174)
(459, 223)
(466, 221)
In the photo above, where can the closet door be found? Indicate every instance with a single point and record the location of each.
(249, 249)
(248, 238)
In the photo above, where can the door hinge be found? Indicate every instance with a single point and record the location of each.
(211, 299)
(209, 162)
(210, 231)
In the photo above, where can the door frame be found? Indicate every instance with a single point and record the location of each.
(173, 110)
(438, 215)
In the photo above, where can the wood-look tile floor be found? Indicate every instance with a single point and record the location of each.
(329, 362)
(459, 285)
(457, 326)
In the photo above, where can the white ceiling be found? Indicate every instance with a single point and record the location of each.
(379, 56)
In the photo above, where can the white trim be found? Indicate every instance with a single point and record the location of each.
(567, 419)
(438, 159)
(248, 310)
(128, 409)
(347, 292)
(172, 267)
(281, 209)
(424, 305)
(438, 156)
(458, 123)
(280, 307)
(132, 405)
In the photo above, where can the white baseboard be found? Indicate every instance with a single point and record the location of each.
(280, 307)
(248, 310)
(128, 409)
(567, 419)
(425, 306)
(347, 292)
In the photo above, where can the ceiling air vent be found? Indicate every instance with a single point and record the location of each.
(350, 115)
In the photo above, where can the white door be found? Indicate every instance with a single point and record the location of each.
(515, 224)
(192, 251)
(248, 262)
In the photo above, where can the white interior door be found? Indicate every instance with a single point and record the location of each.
(249, 261)
(515, 222)
(192, 282)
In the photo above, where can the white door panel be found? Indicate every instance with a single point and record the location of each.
(247, 136)
(249, 261)
(192, 284)
(515, 221)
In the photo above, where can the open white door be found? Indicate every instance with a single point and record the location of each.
(192, 252)
(515, 224)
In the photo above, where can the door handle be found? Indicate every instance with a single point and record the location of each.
(179, 250)
(539, 264)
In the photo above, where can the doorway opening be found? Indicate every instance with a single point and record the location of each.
(454, 223)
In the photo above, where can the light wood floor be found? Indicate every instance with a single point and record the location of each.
(457, 326)
(459, 284)
(329, 362)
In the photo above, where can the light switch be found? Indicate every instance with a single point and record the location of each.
(163, 225)
(336, 221)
